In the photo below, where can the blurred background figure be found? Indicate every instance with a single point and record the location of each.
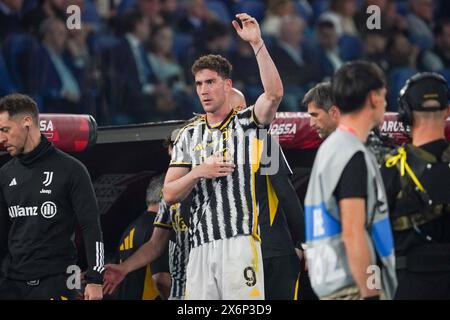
(420, 23)
(61, 71)
(10, 19)
(296, 62)
(153, 281)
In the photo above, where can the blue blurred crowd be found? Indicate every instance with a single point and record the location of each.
(130, 60)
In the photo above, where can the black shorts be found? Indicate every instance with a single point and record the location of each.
(48, 288)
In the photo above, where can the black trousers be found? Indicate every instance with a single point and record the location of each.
(51, 287)
(422, 285)
(280, 277)
(305, 291)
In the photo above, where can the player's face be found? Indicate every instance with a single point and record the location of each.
(212, 90)
(13, 134)
(321, 121)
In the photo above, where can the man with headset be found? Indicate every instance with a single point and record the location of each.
(417, 180)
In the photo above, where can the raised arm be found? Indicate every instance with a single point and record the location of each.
(267, 104)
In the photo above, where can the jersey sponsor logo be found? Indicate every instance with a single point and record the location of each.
(48, 178)
(44, 191)
(48, 209)
(13, 182)
(18, 211)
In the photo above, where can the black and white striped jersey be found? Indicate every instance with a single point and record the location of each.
(171, 217)
(224, 207)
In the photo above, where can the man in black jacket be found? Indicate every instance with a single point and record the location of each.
(44, 192)
(417, 180)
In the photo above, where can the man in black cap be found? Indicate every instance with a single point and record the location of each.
(417, 180)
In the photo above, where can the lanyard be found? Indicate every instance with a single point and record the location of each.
(348, 129)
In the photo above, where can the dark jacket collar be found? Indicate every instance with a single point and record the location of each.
(43, 149)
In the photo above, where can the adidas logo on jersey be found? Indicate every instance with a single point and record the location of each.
(13, 182)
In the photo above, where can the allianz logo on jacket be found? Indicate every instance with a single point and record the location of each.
(48, 210)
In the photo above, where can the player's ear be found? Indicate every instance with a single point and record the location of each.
(228, 84)
(27, 121)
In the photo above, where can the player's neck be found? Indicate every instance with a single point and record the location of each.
(216, 118)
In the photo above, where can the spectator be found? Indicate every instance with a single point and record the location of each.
(152, 10)
(375, 48)
(442, 48)
(400, 51)
(214, 38)
(342, 13)
(402, 58)
(329, 55)
(245, 76)
(297, 64)
(173, 104)
(133, 84)
(439, 58)
(277, 9)
(10, 21)
(60, 78)
(170, 12)
(420, 23)
(195, 18)
(44, 10)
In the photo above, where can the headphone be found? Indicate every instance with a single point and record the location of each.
(404, 109)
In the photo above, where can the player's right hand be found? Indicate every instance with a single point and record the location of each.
(114, 275)
(215, 166)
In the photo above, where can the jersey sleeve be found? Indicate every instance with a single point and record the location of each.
(163, 218)
(85, 206)
(248, 120)
(180, 155)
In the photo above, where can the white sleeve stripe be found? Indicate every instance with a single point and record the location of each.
(99, 257)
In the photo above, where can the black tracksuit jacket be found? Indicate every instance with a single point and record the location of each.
(43, 194)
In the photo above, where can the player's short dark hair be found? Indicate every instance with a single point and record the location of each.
(215, 63)
(17, 103)
(321, 95)
(353, 82)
